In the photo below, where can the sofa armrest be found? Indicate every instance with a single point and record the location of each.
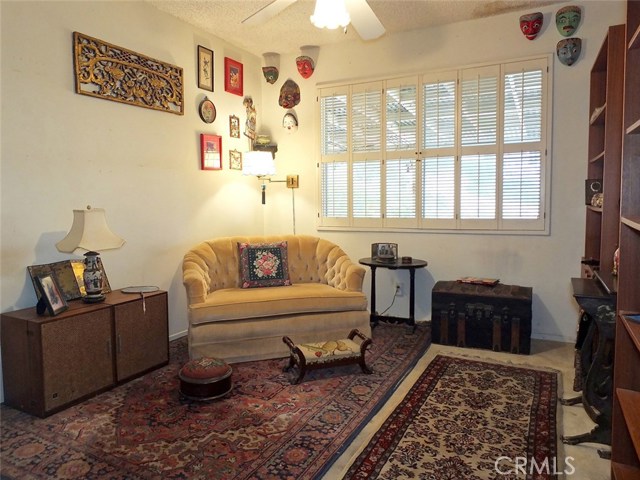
(194, 279)
(347, 275)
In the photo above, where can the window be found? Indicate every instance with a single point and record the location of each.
(458, 150)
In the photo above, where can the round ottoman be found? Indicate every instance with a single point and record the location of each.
(205, 379)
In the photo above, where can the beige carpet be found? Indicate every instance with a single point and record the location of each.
(571, 419)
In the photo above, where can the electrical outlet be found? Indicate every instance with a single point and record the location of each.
(399, 289)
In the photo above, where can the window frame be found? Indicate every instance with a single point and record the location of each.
(537, 226)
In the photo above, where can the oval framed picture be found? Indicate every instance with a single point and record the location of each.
(207, 110)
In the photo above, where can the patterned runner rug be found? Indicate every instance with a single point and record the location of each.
(471, 420)
(265, 429)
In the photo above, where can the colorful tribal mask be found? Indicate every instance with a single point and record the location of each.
(271, 74)
(530, 24)
(305, 66)
(568, 50)
(289, 94)
(568, 19)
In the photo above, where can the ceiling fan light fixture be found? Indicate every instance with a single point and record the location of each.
(330, 14)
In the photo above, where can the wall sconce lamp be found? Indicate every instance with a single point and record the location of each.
(90, 232)
(261, 165)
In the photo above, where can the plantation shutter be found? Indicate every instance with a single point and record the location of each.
(366, 140)
(334, 158)
(478, 147)
(439, 100)
(524, 144)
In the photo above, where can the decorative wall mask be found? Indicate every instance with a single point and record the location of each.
(290, 122)
(271, 69)
(250, 123)
(568, 50)
(568, 20)
(530, 24)
(289, 94)
(110, 72)
(271, 74)
(306, 66)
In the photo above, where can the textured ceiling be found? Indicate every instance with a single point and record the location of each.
(291, 29)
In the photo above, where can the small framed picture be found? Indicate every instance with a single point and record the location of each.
(210, 152)
(234, 126)
(51, 296)
(205, 68)
(384, 252)
(232, 76)
(235, 160)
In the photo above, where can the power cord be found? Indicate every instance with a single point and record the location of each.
(392, 302)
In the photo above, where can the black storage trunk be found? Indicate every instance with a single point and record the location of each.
(479, 316)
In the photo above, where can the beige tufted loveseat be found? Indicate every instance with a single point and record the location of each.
(325, 300)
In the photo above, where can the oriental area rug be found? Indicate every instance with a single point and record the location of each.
(467, 419)
(265, 428)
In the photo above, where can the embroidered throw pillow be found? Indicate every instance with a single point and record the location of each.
(263, 264)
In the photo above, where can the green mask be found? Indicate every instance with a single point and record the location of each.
(568, 19)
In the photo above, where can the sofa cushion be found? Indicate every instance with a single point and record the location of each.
(263, 264)
(238, 303)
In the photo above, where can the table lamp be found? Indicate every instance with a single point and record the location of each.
(90, 232)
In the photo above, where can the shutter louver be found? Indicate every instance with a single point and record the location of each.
(401, 188)
(523, 107)
(478, 187)
(438, 124)
(521, 185)
(335, 191)
(479, 110)
(333, 125)
(366, 189)
(366, 121)
(401, 122)
(438, 187)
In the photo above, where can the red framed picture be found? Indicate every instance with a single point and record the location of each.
(232, 76)
(210, 152)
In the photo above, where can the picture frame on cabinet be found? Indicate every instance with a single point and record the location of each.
(205, 68)
(233, 76)
(51, 297)
(235, 160)
(210, 152)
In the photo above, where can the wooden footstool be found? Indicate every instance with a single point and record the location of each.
(311, 356)
(205, 379)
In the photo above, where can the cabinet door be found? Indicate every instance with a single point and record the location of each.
(142, 336)
(77, 357)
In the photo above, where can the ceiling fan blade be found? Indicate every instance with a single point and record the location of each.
(364, 20)
(267, 12)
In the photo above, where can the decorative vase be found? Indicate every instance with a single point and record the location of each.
(92, 275)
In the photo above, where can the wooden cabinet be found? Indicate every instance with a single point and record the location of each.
(49, 363)
(605, 150)
(625, 448)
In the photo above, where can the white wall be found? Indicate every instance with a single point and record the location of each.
(61, 151)
(545, 263)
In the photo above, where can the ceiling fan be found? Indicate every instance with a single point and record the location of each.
(362, 17)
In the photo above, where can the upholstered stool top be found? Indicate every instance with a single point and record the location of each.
(204, 369)
(330, 351)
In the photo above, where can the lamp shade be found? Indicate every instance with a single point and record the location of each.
(89, 231)
(258, 163)
(330, 14)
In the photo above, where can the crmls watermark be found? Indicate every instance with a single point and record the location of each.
(524, 465)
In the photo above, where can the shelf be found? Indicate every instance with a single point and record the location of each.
(631, 223)
(634, 42)
(633, 329)
(598, 157)
(594, 209)
(624, 472)
(634, 129)
(630, 405)
(598, 115)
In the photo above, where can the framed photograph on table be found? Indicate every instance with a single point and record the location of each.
(210, 152)
(233, 77)
(51, 297)
(384, 252)
(205, 68)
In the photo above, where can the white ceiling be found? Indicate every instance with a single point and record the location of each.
(291, 29)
